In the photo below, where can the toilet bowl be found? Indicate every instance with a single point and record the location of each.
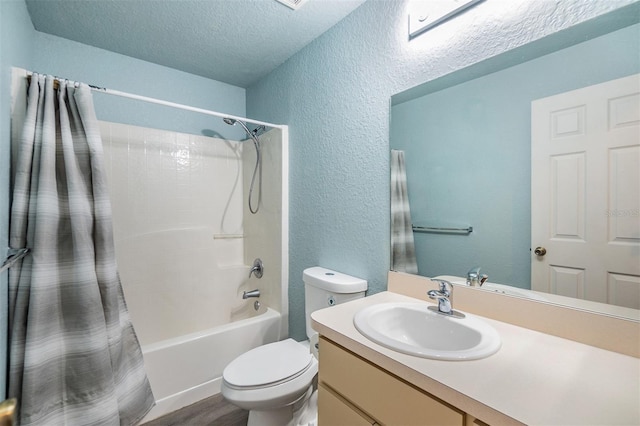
(275, 382)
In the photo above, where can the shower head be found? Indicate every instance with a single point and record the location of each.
(232, 122)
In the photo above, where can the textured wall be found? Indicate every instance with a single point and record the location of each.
(334, 94)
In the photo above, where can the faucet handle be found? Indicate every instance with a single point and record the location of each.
(474, 278)
(257, 269)
(446, 288)
(483, 278)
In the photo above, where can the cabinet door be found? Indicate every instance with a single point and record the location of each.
(334, 411)
(384, 397)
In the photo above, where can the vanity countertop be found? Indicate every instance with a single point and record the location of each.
(534, 378)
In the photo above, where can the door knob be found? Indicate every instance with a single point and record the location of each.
(540, 251)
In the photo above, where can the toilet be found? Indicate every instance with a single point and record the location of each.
(275, 381)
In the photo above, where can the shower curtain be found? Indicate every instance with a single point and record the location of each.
(403, 253)
(74, 357)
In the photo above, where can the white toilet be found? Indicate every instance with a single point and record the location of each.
(274, 381)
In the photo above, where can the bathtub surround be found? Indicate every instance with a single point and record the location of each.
(266, 234)
(180, 199)
(177, 209)
(69, 285)
(184, 242)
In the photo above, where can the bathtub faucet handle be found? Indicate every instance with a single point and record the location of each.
(252, 293)
(257, 269)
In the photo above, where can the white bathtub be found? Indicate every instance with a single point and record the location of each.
(186, 369)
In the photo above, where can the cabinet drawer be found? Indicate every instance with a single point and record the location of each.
(381, 395)
(334, 411)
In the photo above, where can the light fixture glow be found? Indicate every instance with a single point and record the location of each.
(292, 4)
(429, 14)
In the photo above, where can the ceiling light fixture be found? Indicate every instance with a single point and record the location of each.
(426, 15)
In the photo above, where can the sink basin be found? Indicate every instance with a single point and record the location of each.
(418, 329)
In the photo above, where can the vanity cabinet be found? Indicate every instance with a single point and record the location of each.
(361, 382)
(353, 391)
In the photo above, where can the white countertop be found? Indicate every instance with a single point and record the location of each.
(534, 378)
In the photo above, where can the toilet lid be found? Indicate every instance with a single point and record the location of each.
(267, 364)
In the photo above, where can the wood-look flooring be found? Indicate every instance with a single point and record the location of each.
(213, 411)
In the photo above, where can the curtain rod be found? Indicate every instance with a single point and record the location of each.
(56, 84)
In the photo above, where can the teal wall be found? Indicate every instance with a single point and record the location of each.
(335, 96)
(16, 39)
(468, 155)
(80, 62)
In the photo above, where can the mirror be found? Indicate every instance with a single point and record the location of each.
(467, 143)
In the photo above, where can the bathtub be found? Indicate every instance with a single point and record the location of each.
(186, 369)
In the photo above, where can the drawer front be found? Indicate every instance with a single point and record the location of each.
(384, 397)
(334, 411)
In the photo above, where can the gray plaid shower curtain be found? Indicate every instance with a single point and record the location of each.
(403, 253)
(74, 358)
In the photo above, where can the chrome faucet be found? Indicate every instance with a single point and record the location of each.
(474, 278)
(443, 296)
(252, 293)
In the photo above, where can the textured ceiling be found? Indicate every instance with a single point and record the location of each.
(233, 41)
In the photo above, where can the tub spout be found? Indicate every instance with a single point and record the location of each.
(252, 293)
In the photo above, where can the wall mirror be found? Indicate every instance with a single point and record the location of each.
(467, 143)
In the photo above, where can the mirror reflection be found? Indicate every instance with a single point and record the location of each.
(467, 151)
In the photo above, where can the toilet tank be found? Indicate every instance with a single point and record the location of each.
(324, 288)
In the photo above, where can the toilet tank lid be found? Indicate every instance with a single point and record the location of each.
(333, 281)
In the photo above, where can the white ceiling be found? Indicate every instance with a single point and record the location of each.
(233, 41)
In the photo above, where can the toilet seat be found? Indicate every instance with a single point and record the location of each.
(268, 365)
(279, 387)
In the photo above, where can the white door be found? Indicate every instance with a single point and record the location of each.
(585, 193)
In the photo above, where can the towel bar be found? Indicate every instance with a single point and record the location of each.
(466, 230)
